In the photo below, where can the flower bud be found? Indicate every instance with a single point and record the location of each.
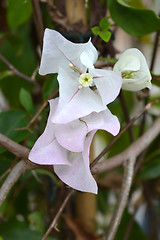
(134, 70)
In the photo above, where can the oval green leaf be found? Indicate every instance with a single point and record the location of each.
(11, 120)
(136, 22)
(26, 100)
(18, 12)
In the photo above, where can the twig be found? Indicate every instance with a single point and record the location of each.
(129, 226)
(139, 145)
(9, 169)
(126, 115)
(40, 110)
(126, 185)
(13, 147)
(142, 124)
(5, 173)
(38, 21)
(14, 175)
(143, 121)
(152, 214)
(22, 152)
(37, 113)
(156, 78)
(55, 220)
(154, 50)
(58, 19)
(146, 108)
(133, 150)
(18, 73)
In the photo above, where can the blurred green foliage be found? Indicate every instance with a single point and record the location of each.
(137, 22)
(28, 210)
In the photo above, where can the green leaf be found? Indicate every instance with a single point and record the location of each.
(24, 234)
(5, 74)
(16, 230)
(152, 170)
(50, 86)
(95, 30)
(14, 40)
(104, 24)
(36, 220)
(136, 231)
(18, 12)
(133, 3)
(9, 121)
(6, 160)
(110, 60)
(136, 22)
(105, 35)
(10, 86)
(26, 100)
(23, 60)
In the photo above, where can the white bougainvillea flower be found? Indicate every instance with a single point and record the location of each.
(47, 150)
(72, 135)
(66, 146)
(78, 100)
(73, 168)
(134, 69)
(78, 174)
(83, 89)
(59, 52)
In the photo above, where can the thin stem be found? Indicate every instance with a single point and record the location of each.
(41, 109)
(143, 121)
(152, 215)
(12, 178)
(142, 125)
(38, 21)
(18, 73)
(156, 78)
(56, 218)
(133, 150)
(38, 113)
(13, 147)
(139, 145)
(126, 185)
(129, 226)
(105, 150)
(156, 41)
(21, 152)
(126, 115)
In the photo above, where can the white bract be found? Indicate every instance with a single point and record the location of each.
(82, 88)
(134, 69)
(66, 147)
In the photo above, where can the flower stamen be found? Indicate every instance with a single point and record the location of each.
(75, 69)
(129, 74)
(85, 80)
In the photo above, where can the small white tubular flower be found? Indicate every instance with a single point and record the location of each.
(134, 70)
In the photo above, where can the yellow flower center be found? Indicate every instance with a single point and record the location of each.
(85, 80)
(128, 74)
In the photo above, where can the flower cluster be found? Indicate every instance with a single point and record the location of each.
(81, 109)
